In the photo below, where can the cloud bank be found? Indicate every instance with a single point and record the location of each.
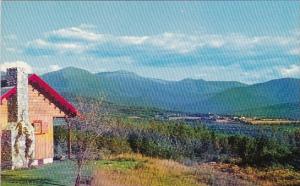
(251, 58)
(81, 39)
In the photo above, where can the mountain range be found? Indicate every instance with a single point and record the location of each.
(275, 98)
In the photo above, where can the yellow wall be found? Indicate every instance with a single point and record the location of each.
(3, 114)
(40, 108)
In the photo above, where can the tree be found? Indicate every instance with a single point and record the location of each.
(85, 129)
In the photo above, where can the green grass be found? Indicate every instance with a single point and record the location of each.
(59, 173)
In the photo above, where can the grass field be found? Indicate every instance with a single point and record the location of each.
(58, 173)
(136, 170)
(128, 170)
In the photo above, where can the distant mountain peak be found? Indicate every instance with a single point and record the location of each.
(71, 68)
(124, 72)
(118, 72)
(191, 79)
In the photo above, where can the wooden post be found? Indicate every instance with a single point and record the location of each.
(69, 140)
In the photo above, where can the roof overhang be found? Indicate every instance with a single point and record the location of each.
(50, 93)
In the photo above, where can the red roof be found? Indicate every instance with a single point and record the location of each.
(43, 87)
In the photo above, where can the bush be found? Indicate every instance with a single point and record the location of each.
(178, 141)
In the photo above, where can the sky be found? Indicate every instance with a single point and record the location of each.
(246, 41)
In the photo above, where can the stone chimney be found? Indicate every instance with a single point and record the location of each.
(11, 76)
(19, 78)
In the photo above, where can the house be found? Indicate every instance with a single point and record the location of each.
(28, 106)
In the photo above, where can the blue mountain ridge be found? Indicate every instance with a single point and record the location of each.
(187, 95)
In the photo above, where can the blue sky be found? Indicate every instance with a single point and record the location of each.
(242, 41)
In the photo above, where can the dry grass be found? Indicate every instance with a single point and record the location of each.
(208, 174)
(264, 177)
(136, 170)
(269, 121)
(146, 172)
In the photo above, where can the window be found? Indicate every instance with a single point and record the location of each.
(40, 127)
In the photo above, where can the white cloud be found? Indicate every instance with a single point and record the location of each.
(69, 46)
(133, 40)
(21, 64)
(77, 33)
(238, 41)
(183, 43)
(295, 51)
(216, 42)
(54, 67)
(180, 43)
(81, 38)
(58, 47)
(291, 71)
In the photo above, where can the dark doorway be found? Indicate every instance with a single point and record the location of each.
(60, 138)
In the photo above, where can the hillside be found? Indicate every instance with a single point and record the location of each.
(258, 95)
(285, 110)
(188, 95)
(128, 88)
(76, 81)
